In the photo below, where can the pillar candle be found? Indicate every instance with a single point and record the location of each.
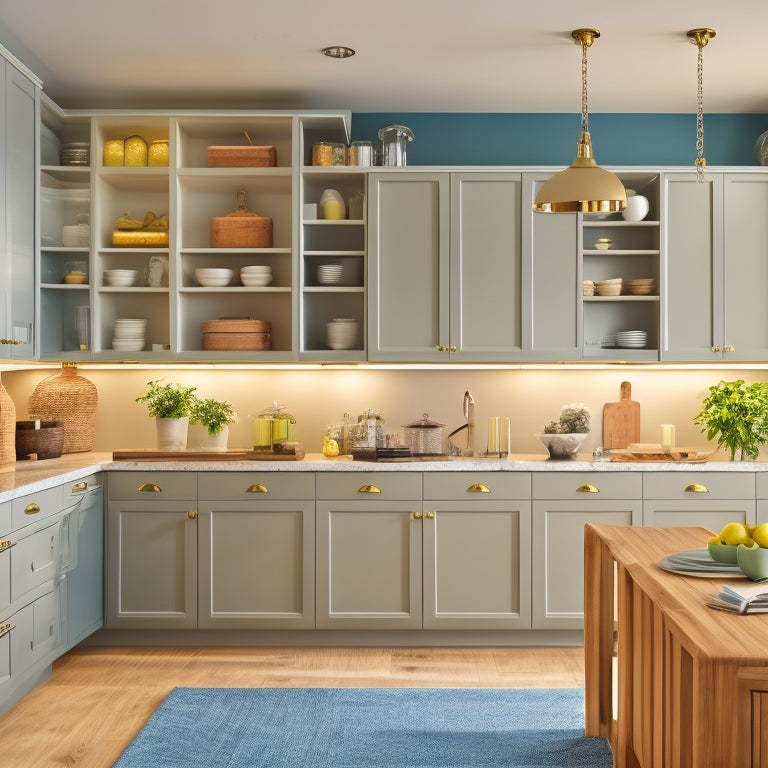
(667, 437)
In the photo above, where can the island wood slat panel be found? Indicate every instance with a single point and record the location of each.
(692, 687)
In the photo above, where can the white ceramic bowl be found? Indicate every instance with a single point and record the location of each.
(255, 281)
(563, 446)
(213, 278)
(119, 278)
(341, 333)
(256, 269)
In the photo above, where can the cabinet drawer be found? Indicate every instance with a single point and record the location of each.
(761, 479)
(250, 486)
(37, 632)
(477, 486)
(35, 559)
(5, 582)
(35, 506)
(372, 486)
(698, 485)
(585, 485)
(5, 518)
(86, 490)
(152, 485)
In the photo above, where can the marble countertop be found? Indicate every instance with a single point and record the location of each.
(30, 476)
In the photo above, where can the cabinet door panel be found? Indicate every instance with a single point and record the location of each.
(368, 565)
(692, 298)
(257, 565)
(408, 266)
(706, 514)
(477, 565)
(486, 266)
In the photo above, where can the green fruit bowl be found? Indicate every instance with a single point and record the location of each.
(723, 553)
(753, 561)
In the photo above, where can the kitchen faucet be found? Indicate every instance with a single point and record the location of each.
(468, 409)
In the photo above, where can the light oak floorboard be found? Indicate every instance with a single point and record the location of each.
(98, 699)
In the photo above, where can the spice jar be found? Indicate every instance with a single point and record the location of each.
(322, 153)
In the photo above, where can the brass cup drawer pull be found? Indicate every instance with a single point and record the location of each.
(587, 488)
(149, 488)
(80, 487)
(257, 488)
(6, 628)
(369, 488)
(31, 509)
(478, 488)
(696, 488)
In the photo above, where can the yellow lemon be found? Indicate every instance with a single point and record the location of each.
(735, 533)
(760, 535)
(330, 447)
(713, 540)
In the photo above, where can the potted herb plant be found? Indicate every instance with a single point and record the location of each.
(736, 414)
(215, 416)
(564, 437)
(170, 405)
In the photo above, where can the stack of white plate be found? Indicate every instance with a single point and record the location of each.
(213, 277)
(631, 339)
(341, 333)
(608, 341)
(128, 334)
(256, 276)
(330, 274)
(119, 278)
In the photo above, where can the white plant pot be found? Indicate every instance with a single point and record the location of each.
(172, 434)
(215, 443)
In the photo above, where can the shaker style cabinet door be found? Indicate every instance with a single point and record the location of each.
(408, 274)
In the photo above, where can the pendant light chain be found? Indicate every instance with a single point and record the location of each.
(584, 109)
(700, 159)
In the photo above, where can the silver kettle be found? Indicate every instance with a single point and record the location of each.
(393, 142)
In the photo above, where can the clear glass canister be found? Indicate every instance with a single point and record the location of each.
(135, 151)
(273, 427)
(157, 154)
(322, 153)
(360, 153)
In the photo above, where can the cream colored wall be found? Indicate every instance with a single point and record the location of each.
(317, 397)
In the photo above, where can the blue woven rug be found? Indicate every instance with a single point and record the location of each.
(368, 728)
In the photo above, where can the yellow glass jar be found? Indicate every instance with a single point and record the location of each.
(322, 153)
(157, 154)
(114, 152)
(135, 151)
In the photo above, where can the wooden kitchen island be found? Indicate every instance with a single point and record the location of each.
(691, 686)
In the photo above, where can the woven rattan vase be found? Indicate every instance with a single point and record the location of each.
(7, 428)
(71, 399)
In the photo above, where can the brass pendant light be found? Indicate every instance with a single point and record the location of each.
(700, 37)
(584, 186)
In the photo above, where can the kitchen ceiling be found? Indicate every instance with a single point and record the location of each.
(412, 55)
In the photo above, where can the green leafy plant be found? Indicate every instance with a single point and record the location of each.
(737, 415)
(212, 414)
(574, 418)
(167, 401)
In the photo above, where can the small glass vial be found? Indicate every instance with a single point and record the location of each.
(157, 154)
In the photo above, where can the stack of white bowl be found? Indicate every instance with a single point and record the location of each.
(330, 274)
(631, 339)
(341, 333)
(128, 335)
(256, 276)
(213, 277)
(119, 278)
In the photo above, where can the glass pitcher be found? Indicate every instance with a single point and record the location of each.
(394, 139)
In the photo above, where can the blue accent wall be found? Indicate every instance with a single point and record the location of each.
(550, 139)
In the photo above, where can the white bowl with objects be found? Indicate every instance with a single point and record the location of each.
(211, 277)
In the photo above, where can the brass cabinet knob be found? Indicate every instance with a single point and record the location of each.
(6, 628)
(715, 349)
(478, 488)
(453, 348)
(430, 515)
(417, 515)
(257, 488)
(192, 514)
(5, 544)
(369, 488)
(31, 509)
(728, 348)
(696, 488)
(149, 488)
(587, 488)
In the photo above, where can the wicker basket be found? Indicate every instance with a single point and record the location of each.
(71, 399)
(237, 334)
(7, 428)
(241, 228)
(47, 442)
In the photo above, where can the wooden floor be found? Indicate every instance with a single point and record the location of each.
(99, 698)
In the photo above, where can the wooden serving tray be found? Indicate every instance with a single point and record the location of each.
(681, 455)
(242, 454)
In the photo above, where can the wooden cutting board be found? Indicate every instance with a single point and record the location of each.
(621, 421)
(230, 455)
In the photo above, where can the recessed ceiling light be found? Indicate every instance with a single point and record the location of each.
(338, 51)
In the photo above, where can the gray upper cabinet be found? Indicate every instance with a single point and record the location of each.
(19, 108)
(445, 268)
(716, 236)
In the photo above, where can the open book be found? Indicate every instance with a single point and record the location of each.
(749, 599)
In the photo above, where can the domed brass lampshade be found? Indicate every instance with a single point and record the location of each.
(583, 186)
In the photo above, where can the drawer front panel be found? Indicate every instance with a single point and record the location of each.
(478, 486)
(152, 486)
(586, 485)
(37, 633)
(369, 486)
(85, 491)
(698, 485)
(5, 518)
(26, 510)
(255, 486)
(34, 560)
(5, 582)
